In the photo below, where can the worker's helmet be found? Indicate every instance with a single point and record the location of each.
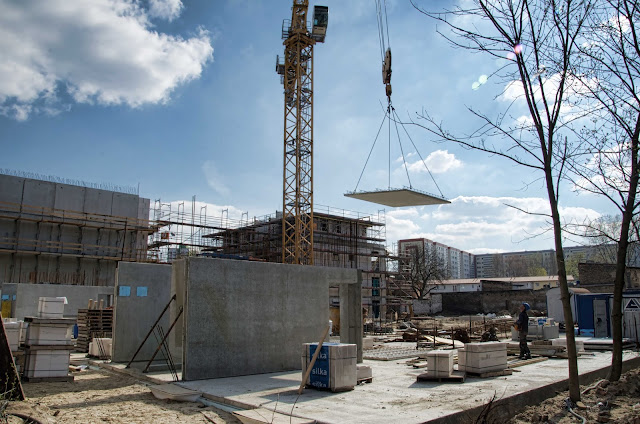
(526, 306)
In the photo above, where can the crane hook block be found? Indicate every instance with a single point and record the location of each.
(386, 67)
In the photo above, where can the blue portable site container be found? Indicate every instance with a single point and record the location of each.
(587, 314)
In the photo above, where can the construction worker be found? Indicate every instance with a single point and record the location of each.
(522, 325)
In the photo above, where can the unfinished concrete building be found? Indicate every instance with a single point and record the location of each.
(68, 232)
(342, 239)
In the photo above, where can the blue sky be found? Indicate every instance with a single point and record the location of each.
(182, 98)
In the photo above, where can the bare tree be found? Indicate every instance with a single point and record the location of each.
(424, 270)
(539, 39)
(610, 82)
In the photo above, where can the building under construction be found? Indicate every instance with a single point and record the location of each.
(342, 239)
(61, 231)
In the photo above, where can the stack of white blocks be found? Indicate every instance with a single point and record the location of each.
(440, 363)
(340, 365)
(563, 342)
(48, 341)
(100, 347)
(480, 358)
(543, 328)
(13, 328)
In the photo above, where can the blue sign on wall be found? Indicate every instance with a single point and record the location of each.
(319, 377)
(141, 291)
(124, 291)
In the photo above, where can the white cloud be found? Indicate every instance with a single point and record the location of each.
(214, 179)
(103, 52)
(484, 224)
(442, 161)
(165, 9)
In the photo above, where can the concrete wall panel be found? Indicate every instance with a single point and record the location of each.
(98, 201)
(135, 315)
(125, 205)
(39, 193)
(11, 189)
(69, 197)
(252, 317)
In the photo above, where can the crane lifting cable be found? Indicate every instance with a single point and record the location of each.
(394, 197)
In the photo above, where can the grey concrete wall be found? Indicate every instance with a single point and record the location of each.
(178, 288)
(246, 317)
(135, 315)
(46, 252)
(27, 296)
(351, 329)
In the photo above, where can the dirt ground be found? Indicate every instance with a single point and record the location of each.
(617, 402)
(105, 397)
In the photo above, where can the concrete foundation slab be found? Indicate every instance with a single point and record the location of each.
(395, 396)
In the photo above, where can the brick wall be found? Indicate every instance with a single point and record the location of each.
(492, 302)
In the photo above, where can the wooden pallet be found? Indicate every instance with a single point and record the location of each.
(65, 379)
(365, 380)
(454, 377)
(520, 362)
(93, 323)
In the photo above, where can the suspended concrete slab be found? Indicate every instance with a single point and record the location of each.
(398, 197)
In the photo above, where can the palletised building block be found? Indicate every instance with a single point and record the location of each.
(100, 347)
(47, 363)
(363, 372)
(482, 357)
(13, 330)
(335, 368)
(51, 307)
(486, 347)
(550, 332)
(367, 342)
(48, 334)
(440, 363)
(563, 342)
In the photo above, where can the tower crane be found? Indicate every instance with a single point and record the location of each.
(296, 74)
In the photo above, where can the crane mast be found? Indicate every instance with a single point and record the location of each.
(297, 77)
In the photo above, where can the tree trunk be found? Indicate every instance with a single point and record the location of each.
(621, 260)
(574, 382)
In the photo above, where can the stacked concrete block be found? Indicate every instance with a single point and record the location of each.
(51, 307)
(364, 372)
(563, 342)
(335, 367)
(100, 347)
(440, 363)
(48, 343)
(481, 358)
(540, 330)
(13, 328)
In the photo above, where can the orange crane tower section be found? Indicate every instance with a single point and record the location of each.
(297, 77)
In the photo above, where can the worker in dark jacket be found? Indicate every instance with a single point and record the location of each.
(522, 324)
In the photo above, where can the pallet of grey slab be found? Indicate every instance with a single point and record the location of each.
(607, 344)
(173, 392)
(454, 377)
(489, 374)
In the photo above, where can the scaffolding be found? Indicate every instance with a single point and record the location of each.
(49, 235)
(342, 238)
